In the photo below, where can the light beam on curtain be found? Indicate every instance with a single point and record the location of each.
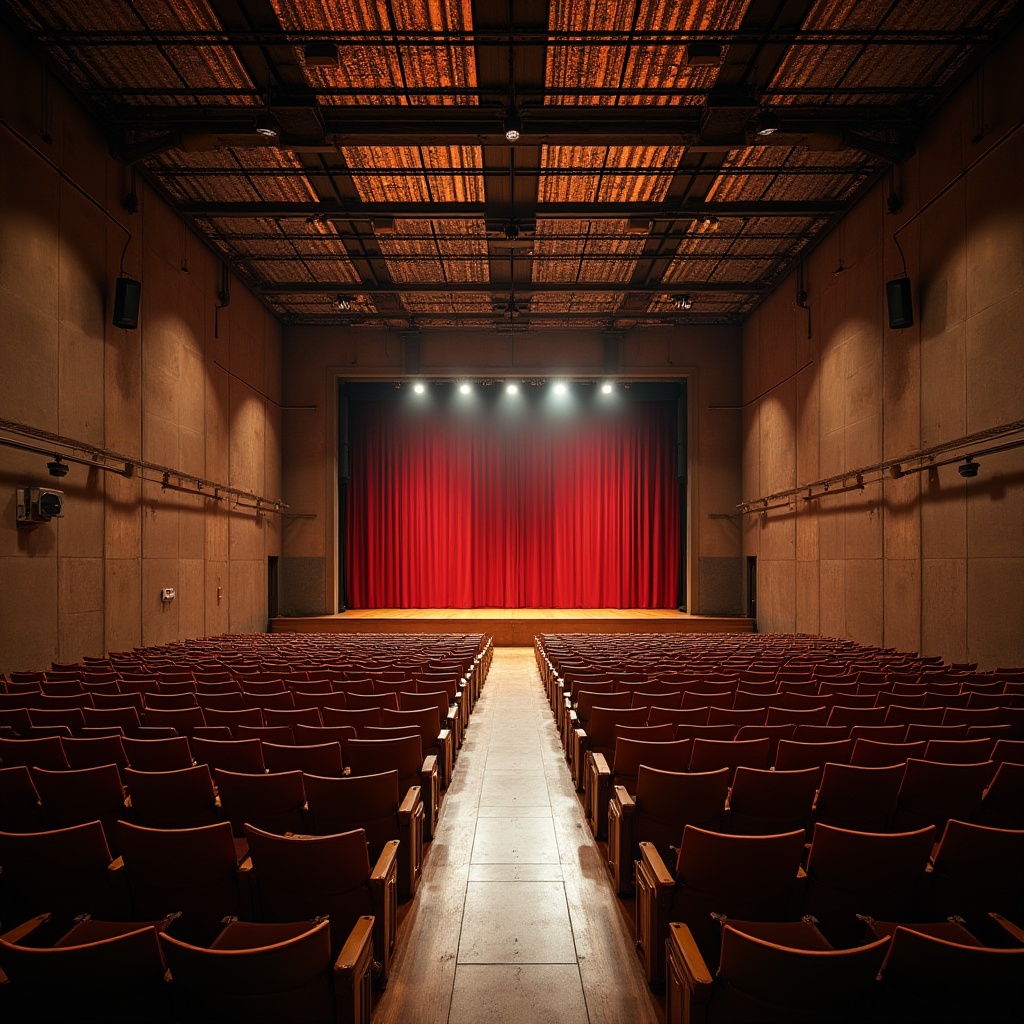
(487, 508)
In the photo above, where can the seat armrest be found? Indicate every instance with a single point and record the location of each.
(601, 764)
(430, 784)
(26, 928)
(652, 860)
(446, 745)
(1011, 929)
(384, 894)
(627, 805)
(353, 975)
(413, 796)
(688, 981)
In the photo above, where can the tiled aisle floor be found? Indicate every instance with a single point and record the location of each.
(515, 920)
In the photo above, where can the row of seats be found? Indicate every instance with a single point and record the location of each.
(710, 772)
(842, 878)
(278, 848)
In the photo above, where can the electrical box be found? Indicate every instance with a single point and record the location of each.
(167, 594)
(39, 505)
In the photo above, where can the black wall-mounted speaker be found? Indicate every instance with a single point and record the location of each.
(127, 295)
(901, 310)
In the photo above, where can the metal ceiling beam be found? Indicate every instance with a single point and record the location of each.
(366, 212)
(490, 288)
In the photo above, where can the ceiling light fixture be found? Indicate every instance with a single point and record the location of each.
(682, 301)
(561, 388)
(267, 126)
(343, 302)
(767, 124)
(512, 388)
(709, 222)
(321, 55)
(606, 388)
(419, 387)
(513, 123)
(464, 389)
(59, 468)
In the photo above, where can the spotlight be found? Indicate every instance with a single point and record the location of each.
(464, 389)
(58, 468)
(513, 123)
(512, 388)
(561, 388)
(343, 302)
(267, 126)
(682, 301)
(511, 229)
(606, 388)
(419, 387)
(968, 468)
(709, 222)
(767, 124)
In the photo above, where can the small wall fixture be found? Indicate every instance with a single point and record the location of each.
(57, 467)
(37, 505)
(343, 302)
(968, 468)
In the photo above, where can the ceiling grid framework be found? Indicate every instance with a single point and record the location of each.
(349, 160)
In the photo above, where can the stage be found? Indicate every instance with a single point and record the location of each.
(512, 627)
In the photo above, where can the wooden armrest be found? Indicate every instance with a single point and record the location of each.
(627, 805)
(245, 866)
(358, 938)
(652, 861)
(16, 934)
(116, 865)
(1011, 929)
(601, 764)
(429, 765)
(413, 796)
(386, 862)
(696, 976)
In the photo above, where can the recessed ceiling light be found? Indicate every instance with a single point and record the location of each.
(561, 388)
(419, 387)
(512, 388)
(464, 389)
(606, 388)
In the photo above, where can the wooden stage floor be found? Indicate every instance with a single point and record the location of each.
(512, 627)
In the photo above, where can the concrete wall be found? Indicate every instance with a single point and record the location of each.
(315, 358)
(929, 562)
(185, 390)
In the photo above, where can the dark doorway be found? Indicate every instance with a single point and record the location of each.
(273, 587)
(752, 587)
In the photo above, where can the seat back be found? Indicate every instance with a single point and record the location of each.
(37, 752)
(184, 798)
(60, 871)
(254, 972)
(763, 981)
(274, 802)
(82, 795)
(313, 759)
(855, 797)
(233, 755)
(301, 877)
(710, 755)
(19, 802)
(793, 755)
(874, 754)
(369, 802)
(630, 754)
(666, 802)
(157, 755)
(763, 802)
(933, 792)
(192, 870)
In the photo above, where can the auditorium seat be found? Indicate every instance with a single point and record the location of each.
(873, 754)
(857, 797)
(763, 802)
(770, 973)
(182, 798)
(19, 802)
(38, 752)
(664, 804)
(959, 751)
(871, 873)
(181, 720)
(192, 870)
(599, 735)
(273, 972)
(301, 877)
(793, 755)
(747, 877)
(157, 755)
(231, 755)
(976, 871)
(708, 755)
(627, 757)
(404, 755)
(932, 792)
(928, 979)
(429, 726)
(97, 972)
(82, 795)
(374, 804)
(63, 872)
(273, 802)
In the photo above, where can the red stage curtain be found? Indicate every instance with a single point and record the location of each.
(453, 510)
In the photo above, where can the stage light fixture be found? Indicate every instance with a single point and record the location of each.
(682, 301)
(767, 124)
(606, 388)
(419, 387)
(513, 123)
(267, 126)
(561, 388)
(512, 388)
(464, 388)
(343, 302)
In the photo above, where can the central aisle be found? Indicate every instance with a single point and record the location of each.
(515, 920)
